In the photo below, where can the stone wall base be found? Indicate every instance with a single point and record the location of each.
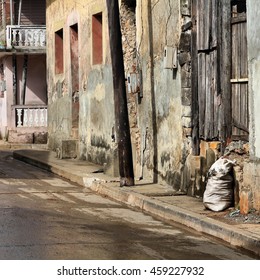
(27, 137)
(246, 174)
(250, 194)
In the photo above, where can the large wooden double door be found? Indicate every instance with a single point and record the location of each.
(220, 70)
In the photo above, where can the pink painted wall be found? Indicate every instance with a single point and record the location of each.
(36, 91)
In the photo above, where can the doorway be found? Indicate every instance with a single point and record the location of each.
(220, 70)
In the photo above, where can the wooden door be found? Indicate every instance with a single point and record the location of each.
(207, 68)
(239, 76)
(220, 86)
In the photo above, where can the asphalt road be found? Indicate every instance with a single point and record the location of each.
(45, 217)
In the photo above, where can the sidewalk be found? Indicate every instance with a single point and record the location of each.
(159, 201)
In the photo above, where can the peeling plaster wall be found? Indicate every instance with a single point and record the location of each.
(251, 195)
(253, 14)
(7, 100)
(159, 111)
(96, 109)
(3, 104)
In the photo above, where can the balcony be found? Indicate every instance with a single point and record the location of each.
(34, 116)
(26, 38)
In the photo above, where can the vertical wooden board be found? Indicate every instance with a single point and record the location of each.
(237, 112)
(243, 47)
(237, 108)
(207, 24)
(204, 23)
(211, 93)
(208, 99)
(215, 93)
(200, 23)
(225, 67)
(214, 25)
(244, 106)
(242, 112)
(235, 52)
(234, 108)
(201, 92)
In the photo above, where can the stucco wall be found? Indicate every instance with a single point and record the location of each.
(96, 109)
(251, 195)
(35, 87)
(3, 113)
(3, 117)
(7, 101)
(253, 14)
(159, 112)
(36, 80)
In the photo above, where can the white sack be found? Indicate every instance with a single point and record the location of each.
(219, 191)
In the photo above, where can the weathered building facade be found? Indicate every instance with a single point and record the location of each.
(189, 94)
(23, 97)
(251, 193)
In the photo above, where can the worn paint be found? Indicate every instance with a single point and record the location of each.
(155, 119)
(252, 169)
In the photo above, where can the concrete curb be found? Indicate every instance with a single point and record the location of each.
(154, 207)
(170, 213)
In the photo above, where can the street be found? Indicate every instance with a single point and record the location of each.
(46, 217)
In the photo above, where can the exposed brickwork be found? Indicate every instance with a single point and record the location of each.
(245, 201)
(185, 63)
(128, 29)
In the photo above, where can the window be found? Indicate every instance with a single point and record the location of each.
(97, 44)
(59, 64)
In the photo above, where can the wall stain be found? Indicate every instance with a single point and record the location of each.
(99, 141)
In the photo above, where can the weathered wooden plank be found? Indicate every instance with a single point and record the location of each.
(194, 80)
(211, 93)
(244, 116)
(235, 72)
(199, 21)
(235, 105)
(243, 47)
(208, 99)
(224, 7)
(204, 24)
(238, 19)
(235, 52)
(239, 74)
(214, 25)
(215, 93)
(201, 92)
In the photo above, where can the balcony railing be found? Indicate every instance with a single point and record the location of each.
(30, 116)
(25, 37)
